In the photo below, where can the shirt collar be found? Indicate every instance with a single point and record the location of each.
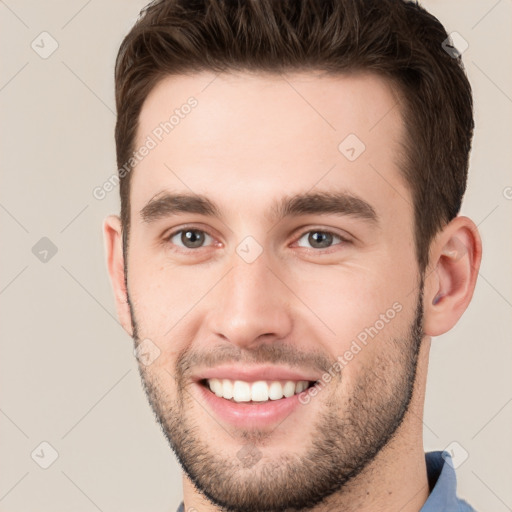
(442, 482)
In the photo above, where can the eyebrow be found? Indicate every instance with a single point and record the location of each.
(338, 203)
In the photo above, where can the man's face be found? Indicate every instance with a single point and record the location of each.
(248, 294)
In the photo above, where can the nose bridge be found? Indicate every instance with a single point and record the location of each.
(250, 302)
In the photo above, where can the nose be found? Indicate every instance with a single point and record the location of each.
(251, 305)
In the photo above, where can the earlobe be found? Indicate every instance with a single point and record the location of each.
(113, 233)
(456, 255)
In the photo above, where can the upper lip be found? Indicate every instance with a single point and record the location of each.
(254, 373)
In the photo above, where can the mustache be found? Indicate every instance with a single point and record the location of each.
(274, 353)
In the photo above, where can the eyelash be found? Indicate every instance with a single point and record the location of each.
(342, 239)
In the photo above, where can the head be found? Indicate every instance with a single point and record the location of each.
(300, 214)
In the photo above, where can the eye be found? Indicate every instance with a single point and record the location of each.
(319, 239)
(191, 238)
(188, 238)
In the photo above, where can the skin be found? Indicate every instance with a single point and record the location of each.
(251, 140)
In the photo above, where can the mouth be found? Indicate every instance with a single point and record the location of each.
(256, 404)
(255, 396)
(256, 392)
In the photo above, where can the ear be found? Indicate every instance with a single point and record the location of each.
(455, 257)
(113, 238)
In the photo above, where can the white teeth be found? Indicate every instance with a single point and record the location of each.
(275, 391)
(301, 386)
(259, 391)
(241, 391)
(289, 389)
(227, 389)
(216, 387)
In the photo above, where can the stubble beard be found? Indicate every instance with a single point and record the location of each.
(344, 443)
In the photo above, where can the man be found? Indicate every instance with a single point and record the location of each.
(291, 175)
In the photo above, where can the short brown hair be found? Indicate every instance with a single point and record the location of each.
(396, 39)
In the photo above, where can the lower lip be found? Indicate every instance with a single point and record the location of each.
(253, 414)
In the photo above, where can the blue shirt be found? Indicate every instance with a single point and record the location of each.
(442, 483)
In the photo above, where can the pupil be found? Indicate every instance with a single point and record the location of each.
(315, 239)
(192, 238)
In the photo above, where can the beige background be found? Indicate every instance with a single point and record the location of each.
(67, 371)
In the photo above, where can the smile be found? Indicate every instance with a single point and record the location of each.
(258, 391)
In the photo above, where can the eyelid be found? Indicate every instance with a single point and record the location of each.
(185, 227)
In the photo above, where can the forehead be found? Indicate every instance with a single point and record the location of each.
(248, 135)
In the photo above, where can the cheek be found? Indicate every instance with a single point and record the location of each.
(349, 300)
(168, 305)
(162, 294)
